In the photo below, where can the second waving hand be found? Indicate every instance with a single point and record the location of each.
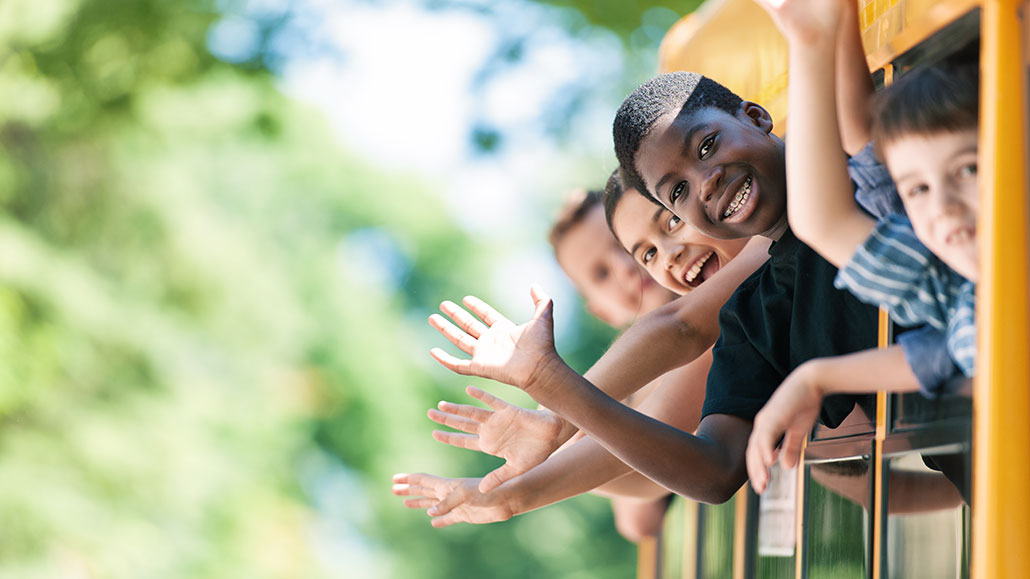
(523, 438)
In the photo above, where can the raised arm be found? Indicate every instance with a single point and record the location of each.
(820, 203)
(854, 84)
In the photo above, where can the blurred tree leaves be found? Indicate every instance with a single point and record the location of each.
(209, 313)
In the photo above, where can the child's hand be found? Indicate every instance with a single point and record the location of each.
(523, 438)
(456, 500)
(500, 350)
(807, 21)
(790, 413)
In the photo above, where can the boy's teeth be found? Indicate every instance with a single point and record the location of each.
(696, 268)
(739, 198)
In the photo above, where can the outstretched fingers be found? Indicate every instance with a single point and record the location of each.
(454, 334)
(486, 398)
(484, 310)
(468, 441)
(456, 365)
(465, 412)
(465, 321)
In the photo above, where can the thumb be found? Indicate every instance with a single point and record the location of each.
(498, 477)
(544, 304)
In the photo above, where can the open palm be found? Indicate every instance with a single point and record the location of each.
(450, 500)
(523, 438)
(499, 349)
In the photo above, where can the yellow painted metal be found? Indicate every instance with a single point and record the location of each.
(799, 515)
(647, 558)
(883, 340)
(740, 531)
(690, 535)
(1001, 409)
(735, 43)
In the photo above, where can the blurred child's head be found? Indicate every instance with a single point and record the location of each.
(705, 154)
(614, 287)
(677, 255)
(925, 130)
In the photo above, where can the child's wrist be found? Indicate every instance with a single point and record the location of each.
(546, 378)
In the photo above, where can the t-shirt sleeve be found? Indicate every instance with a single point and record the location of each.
(894, 270)
(926, 351)
(874, 188)
(740, 380)
(743, 376)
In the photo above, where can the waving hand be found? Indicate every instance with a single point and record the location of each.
(499, 349)
(450, 500)
(523, 438)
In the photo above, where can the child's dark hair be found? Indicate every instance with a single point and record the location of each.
(572, 213)
(613, 192)
(931, 99)
(680, 93)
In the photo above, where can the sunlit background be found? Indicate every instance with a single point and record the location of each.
(223, 226)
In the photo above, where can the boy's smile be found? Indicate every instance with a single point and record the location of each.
(722, 173)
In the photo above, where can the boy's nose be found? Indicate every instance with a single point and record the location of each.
(710, 184)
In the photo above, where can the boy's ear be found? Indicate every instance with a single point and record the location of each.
(757, 115)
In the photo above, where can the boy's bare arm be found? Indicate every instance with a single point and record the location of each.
(668, 338)
(677, 401)
(854, 84)
(794, 407)
(708, 466)
(820, 203)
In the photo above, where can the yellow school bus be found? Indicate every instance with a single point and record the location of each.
(887, 494)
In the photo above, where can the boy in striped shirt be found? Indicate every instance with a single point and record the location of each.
(921, 268)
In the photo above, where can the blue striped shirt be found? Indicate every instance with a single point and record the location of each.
(895, 270)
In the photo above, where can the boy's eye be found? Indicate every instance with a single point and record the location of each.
(677, 191)
(601, 273)
(967, 170)
(672, 223)
(705, 148)
(917, 190)
(648, 256)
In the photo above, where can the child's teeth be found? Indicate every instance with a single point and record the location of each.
(739, 198)
(696, 268)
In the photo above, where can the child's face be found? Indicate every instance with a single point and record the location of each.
(724, 174)
(936, 177)
(677, 256)
(615, 288)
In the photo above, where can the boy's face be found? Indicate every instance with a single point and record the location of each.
(724, 174)
(936, 177)
(677, 256)
(614, 287)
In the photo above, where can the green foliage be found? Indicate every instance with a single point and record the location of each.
(192, 351)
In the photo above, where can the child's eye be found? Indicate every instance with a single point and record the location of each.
(648, 256)
(672, 223)
(601, 273)
(917, 190)
(967, 170)
(705, 148)
(677, 191)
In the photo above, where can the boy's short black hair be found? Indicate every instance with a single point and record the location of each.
(675, 92)
(931, 99)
